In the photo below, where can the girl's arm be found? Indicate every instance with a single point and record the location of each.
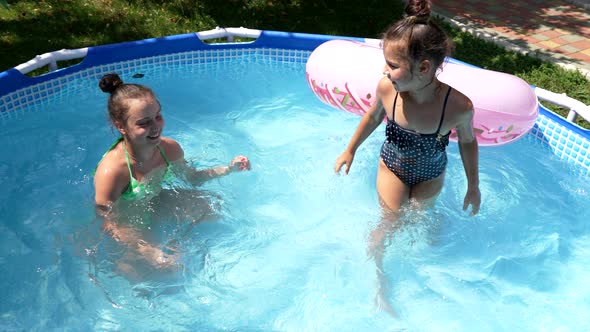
(175, 154)
(130, 237)
(109, 183)
(239, 163)
(469, 151)
(369, 122)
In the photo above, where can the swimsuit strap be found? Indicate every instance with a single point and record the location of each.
(112, 147)
(393, 111)
(127, 155)
(442, 117)
(164, 155)
(120, 139)
(128, 162)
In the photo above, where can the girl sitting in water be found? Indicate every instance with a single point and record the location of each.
(133, 169)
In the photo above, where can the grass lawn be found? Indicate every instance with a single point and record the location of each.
(32, 27)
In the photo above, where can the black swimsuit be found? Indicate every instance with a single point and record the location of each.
(414, 157)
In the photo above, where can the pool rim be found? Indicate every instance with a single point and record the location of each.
(12, 81)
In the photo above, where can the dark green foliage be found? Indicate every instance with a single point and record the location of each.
(32, 27)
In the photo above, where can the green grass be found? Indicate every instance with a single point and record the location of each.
(32, 27)
(546, 75)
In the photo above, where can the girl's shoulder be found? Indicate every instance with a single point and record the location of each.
(458, 102)
(113, 166)
(385, 92)
(384, 87)
(459, 109)
(172, 149)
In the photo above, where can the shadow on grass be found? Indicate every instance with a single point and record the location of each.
(35, 27)
(518, 16)
(62, 24)
(336, 17)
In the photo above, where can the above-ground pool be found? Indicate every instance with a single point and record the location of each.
(287, 247)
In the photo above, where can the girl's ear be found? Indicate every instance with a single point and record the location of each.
(120, 128)
(425, 67)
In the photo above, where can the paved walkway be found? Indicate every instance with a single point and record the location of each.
(554, 30)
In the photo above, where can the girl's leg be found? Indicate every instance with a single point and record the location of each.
(184, 205)
(423, 197)
(425, 193)
(393, 194)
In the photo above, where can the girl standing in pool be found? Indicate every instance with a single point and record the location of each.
(133, 169)
(421, 111)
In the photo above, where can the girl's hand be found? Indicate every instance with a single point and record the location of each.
(239, 163)
(344, 159)
(158, 259)
(473, 198)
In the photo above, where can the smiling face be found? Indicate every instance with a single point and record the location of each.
(144, 123)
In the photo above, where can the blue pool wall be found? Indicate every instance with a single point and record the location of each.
(17, 91)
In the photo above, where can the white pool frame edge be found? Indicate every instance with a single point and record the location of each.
(571, 143)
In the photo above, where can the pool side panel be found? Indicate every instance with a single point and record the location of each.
(565, 140)
(19, 92)
(32, 97)
(12, 80)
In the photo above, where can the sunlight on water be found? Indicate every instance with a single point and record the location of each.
(287, 247)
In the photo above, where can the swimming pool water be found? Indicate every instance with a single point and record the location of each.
(287, 251)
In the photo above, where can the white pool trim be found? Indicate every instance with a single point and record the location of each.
(566, 140)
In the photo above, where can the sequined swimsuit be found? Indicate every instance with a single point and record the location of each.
(414, 157)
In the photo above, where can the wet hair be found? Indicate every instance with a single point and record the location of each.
(120, 93)
(420, 37)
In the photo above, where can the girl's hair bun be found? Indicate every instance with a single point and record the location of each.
(418, 11)
(110, 82)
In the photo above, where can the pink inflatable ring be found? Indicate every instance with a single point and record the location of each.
(344, 74)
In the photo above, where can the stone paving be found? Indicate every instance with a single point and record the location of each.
(555, 30)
